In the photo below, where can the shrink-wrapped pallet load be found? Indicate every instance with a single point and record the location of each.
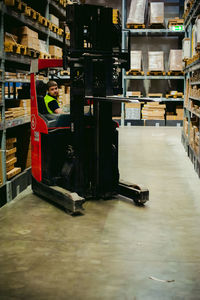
(157, 13)
(137, 11)
(136, 60)
(133, 111)
(198, 32)
(155, 61)
(54, 20)
(194, 39)
(175, 60)
(186, 48)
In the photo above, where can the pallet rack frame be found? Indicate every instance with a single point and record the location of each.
(11, 188)
(194, 157)
(145, 32)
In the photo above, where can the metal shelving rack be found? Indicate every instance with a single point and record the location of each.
(11, 188)
(189, 21)
(145, 32)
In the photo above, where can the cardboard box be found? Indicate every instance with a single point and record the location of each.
(157, 13)
(155, 61)
(24, 30)
(28, 37)
(153, 111)
(137, 11)
(171, 117)
(175, 60)
(55, 51)
(54, 19)
(180, 113)
(30, 42)
(136, 60)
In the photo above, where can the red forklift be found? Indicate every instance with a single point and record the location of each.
(75, 155)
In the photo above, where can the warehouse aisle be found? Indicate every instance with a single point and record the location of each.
(112, 251)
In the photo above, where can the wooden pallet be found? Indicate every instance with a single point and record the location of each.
(65, 73)
(13, 172)
(44, 55)
(157, 26)
(43, 21)
(175, 73)
(156, 73)
(60, 31)
(155, 95)
(135, 26)
(67, 36)
(15, 48)
(175, 22)
(30, 12)
(178, 95)
(193, 59)
(32, 52)
(135, 72)
(56, 57)
(11, 151)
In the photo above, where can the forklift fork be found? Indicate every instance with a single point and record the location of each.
(138, 194)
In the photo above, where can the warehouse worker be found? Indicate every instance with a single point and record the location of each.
(50, 99)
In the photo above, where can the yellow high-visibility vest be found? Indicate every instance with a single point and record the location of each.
(47, 100)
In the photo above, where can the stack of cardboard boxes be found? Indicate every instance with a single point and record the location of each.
(55, 52)
(14, 112)
(185, 126)
(11, 158)
(194, 91)
(194, 134)
(64, 96)
(28, 157)
(178, 116)
(153, 111)
(26, 105)
(28, 37)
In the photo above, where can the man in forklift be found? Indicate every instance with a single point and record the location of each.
(50, 99)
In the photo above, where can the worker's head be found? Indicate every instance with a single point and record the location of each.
(52, 88)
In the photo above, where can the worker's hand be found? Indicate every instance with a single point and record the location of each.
(59, 111)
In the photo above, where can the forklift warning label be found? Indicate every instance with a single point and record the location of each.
(33, 122)
(36, 136)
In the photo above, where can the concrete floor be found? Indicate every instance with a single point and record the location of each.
(111, 252)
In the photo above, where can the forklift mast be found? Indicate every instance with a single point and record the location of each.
(75, 156)
(94, 59)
